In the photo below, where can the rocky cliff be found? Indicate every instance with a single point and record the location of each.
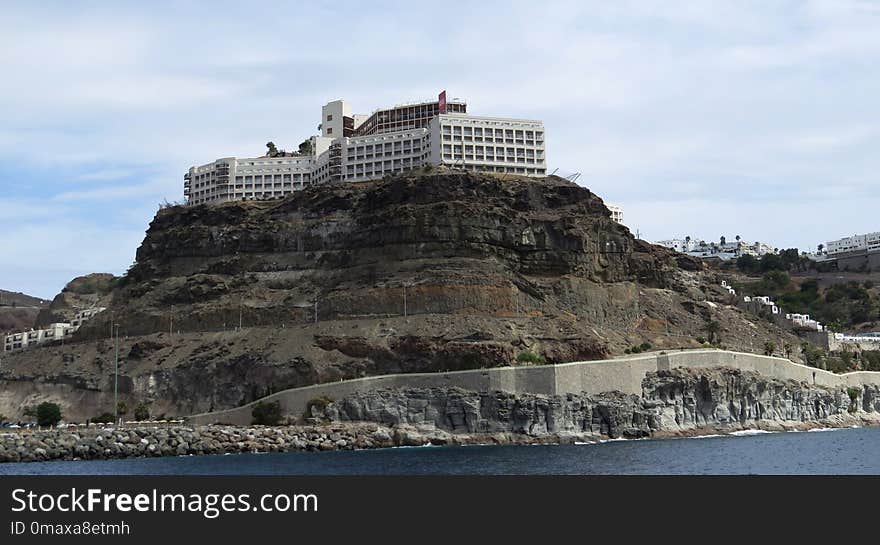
(677, 402)
(456, 242)
(421, 272)
(81, 293)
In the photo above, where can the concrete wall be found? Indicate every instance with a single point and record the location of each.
(593, 377)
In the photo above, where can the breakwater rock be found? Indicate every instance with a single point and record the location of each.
(127, 442)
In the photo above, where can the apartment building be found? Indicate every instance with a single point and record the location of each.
(856, 243)
(354, 147)
(21, 340)
(53, 332)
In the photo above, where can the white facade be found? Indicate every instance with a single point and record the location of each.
(855, 243)
(233, 179)
(355, 147)
(616, 212)
(54, 332)
(20, 341)
(729, 250)
(488, 144)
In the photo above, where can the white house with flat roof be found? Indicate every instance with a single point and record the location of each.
(354, 147)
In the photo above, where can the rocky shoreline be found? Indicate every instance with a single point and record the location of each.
(141, 442)
(677, 403)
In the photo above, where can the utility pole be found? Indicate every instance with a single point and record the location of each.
(404, 300)
(116, 381)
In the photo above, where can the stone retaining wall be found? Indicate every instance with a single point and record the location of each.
(590, 377)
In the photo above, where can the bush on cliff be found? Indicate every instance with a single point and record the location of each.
(266, 413)
(103, 418)
(142, 412)
(853, 398)
(530, 357)
(319, 403)
(48, 414)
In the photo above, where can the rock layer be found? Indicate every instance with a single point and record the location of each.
(673, 402)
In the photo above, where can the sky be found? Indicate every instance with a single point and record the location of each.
(707, 118)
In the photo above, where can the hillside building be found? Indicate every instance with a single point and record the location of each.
(353, 147)
(856, 243)
(728, 250)
(53, 332)
(616, 212)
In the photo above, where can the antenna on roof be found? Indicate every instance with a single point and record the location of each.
(573, 177)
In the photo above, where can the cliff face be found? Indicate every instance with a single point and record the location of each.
(421, 272)
(677, 402)
(454, 242)
(83, 292)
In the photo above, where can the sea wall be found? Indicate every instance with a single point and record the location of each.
(623, 375)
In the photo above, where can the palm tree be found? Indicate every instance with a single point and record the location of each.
(723, 240)
(273, 151)
(820, 248)
(738, 238)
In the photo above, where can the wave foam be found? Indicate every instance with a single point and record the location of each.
(745, 433)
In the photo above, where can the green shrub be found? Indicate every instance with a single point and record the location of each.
(853, 398)
(530, 357)
(645, 347)
(627, 351)
(142, 412)
(266, 413)
(103, 418)
(701, 340)
(48, 414)
(636, 349)
(320, 402)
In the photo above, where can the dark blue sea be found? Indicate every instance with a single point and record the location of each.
(840, 451)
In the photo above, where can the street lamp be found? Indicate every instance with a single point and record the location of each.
(116, 380)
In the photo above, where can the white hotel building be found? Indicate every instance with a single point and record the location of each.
(353, 147)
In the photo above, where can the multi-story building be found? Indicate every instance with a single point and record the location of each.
(855, 243)
(53, 332)
(353, 147)
(616, 212)
(728, 250)
(230, 178)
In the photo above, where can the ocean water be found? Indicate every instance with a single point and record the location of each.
(838, 451)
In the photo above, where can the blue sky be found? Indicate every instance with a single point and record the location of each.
(705, 118)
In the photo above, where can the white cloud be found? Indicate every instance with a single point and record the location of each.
(676, 110)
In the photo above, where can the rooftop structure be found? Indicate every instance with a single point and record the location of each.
(616, 212)
(353, 147)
